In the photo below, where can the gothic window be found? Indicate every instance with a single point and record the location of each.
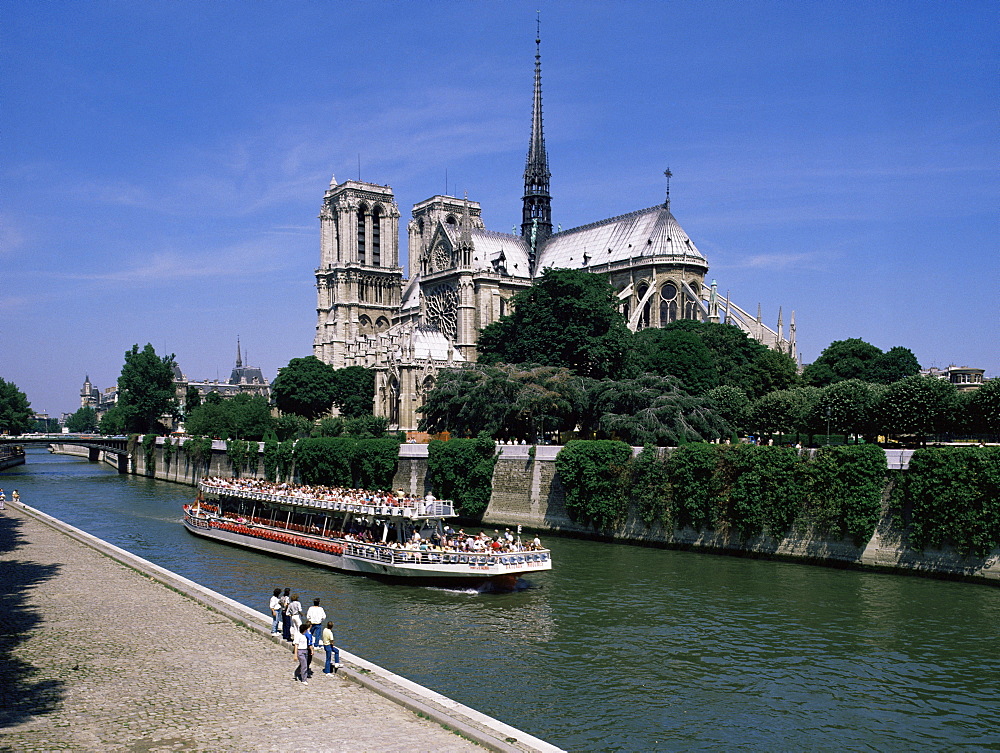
(442, 258)
(442, 310)
(377, 237)
(450, 220)
(640, 294)
(365, 326)
(362, 210)
(668, 304)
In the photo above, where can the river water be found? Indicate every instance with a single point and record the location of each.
(619, 648)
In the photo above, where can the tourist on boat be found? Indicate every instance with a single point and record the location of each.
(286, 620)
(331, 650)
(275, 607)
(316, 616)
(300, 650)
(294, 612)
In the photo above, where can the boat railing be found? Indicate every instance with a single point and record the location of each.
(391, 555)
(405, 509)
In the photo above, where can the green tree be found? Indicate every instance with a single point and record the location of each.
(842, 359)
(652, 410)
(15, 410)
(770, 371)
(779, 412)
(85, 419)
(210, 420)
(504, 401)
(676, 352)
(568, 318)
(731, 404)
(306, 387)
(192, 399)
(290, 426)
(917, 405)
(850, 406)
(354, 391)
(983, 408)
(112, 423)
(242, 416)
(895, 364)
(146, 390)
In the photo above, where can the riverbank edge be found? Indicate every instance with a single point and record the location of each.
(527, 492)
(473, 725)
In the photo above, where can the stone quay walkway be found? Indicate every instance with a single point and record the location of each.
(98, 656)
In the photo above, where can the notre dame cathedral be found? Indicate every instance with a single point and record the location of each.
(462, 276)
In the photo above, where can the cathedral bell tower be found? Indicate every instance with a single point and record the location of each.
(536, 214)
(359, 281)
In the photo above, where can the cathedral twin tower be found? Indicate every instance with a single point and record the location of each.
(462, 276)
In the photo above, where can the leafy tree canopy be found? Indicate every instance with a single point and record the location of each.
(653, 410)
(856, 359)
(676, 352)
(984, 408)
(918, 405)
(146, 390)
(112, 422)
(354, 391)
(895, 364)
(567, 319)
(85, 419)
(15, 410)
(504, 401)
(242, 416)
(306, 387)
(192, 399)
(730, 403)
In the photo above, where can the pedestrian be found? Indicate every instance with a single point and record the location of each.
(300, 650)
(16, 497)
(3, 500)
(294, 612)
(315, 616)
(331, 650)
(286, 621)
(275, 607)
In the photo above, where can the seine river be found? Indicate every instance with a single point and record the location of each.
(620, 647)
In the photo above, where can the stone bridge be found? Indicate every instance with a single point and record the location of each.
(95, 443)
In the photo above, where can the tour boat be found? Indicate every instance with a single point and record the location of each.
(381, 535)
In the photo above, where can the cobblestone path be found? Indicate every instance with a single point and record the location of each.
(95, 656)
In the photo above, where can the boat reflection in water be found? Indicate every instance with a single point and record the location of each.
(390, 536)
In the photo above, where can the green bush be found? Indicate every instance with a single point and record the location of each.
(768, 488)
(199, 452)
(953, 496)
(149, 452)
(845, 497)
(168, 451)
(271, 450)
(239, 453)
(375, 463)
(325, 460)
(650, 488)
(594, 474)
(462, 470)
(691, 471)
(285, 457)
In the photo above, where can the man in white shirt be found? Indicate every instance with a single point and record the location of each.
(316, 616)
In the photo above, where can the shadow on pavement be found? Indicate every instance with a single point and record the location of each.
(21, 698)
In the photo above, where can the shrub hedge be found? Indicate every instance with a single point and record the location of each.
(462, 470)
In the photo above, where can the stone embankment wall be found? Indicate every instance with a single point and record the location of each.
(527, 492)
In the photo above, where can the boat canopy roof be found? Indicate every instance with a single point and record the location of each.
(426, 509)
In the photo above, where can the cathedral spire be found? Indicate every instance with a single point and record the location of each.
(536, 214)
(239, 357)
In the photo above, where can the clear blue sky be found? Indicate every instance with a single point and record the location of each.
(162, 164)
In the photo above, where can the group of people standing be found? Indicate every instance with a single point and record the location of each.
(304, 633)
(15, 497)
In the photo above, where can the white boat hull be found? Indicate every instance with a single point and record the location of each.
(502, 570)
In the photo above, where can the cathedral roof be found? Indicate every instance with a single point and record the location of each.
(646, 232)
(494, 250)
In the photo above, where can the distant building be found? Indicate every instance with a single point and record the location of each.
(965, 378)
(243, 379)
